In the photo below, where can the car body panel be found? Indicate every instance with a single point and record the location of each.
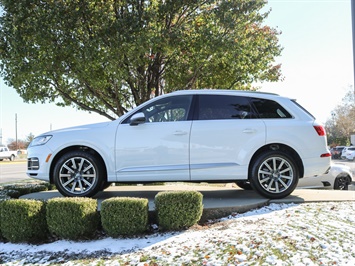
(350, 155)
(222, 153)
(327, 180)
(153, 151)
(98, 137)
(295, 131)
(187, 150)
(344, 153)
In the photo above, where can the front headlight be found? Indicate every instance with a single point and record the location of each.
(41, 140)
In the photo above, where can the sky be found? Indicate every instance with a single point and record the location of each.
(317, 66)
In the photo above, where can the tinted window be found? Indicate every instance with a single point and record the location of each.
(175, 108)
(269, 109)
(212, 107)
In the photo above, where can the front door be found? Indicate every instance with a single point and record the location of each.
(157, 149)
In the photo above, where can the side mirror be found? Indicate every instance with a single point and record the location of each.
(136, 119)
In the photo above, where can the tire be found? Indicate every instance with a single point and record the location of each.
(78, 174)
(12, 157)
(274, 174)
(342, 182)
(244, 185)
(105, 185)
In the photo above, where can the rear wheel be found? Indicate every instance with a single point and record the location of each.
(274, 174)
(244, 185)
(342, 182)
(78, 174)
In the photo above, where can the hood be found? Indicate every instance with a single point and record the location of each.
(78, 128)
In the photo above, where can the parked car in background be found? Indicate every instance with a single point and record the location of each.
(193, 135)
(343, 153)
(338, 177)
(350, 153)
(336, 152)
(5, 153)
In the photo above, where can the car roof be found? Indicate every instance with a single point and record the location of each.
(226, 92)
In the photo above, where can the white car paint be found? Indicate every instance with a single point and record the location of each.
(349, 154)
(327, 180)
(188, 150)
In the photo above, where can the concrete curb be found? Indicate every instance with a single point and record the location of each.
(218, 201)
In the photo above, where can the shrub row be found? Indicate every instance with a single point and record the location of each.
(23, 220)
(17, 190)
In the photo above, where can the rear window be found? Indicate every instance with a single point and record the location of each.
(269, 109)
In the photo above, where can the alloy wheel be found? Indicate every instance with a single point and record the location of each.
(77, 175)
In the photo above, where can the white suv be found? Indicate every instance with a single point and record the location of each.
(195, 135)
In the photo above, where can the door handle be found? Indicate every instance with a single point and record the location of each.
(249, 130)
(180, 133)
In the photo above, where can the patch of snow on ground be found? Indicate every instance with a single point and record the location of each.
(278, 234)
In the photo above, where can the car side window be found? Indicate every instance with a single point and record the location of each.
(174, 108)
(213, 107)
(269, 109)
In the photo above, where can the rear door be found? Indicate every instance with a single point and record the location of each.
(225, 133)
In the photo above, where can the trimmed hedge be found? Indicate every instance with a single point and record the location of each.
(1, 203)
(178, 209)
(72, 218)
(124, 216)
(23, 220)
(17, 190)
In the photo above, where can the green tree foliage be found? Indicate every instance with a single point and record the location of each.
(342, 123)
(108, 56)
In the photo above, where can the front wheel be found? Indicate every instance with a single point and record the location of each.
(274, 175)
(78, 174)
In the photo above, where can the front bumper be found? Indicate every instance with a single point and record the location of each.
(38, 162)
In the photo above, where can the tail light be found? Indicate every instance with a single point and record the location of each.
(320, 130)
